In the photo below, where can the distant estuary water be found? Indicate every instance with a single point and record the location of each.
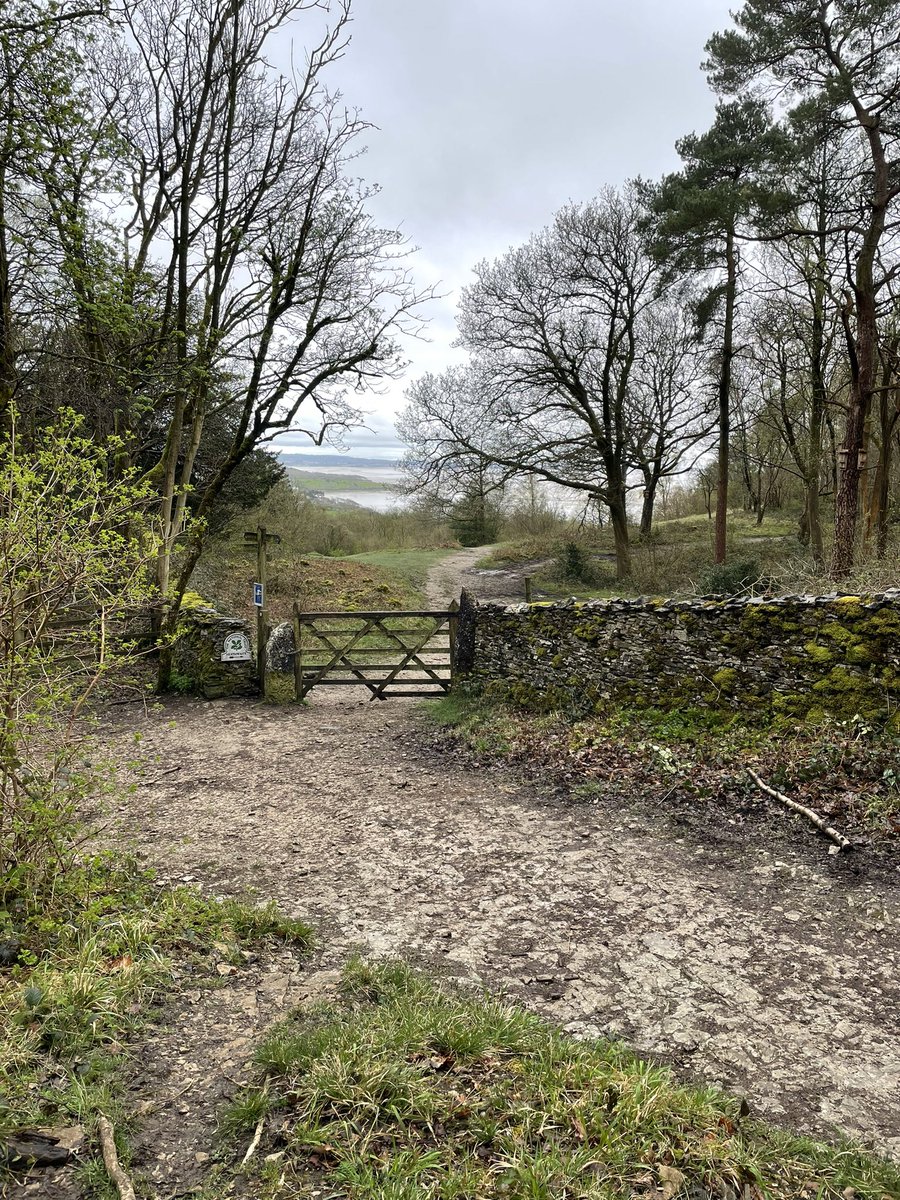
(382, 500)
(378, 500)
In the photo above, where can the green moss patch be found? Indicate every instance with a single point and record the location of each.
(839, 657)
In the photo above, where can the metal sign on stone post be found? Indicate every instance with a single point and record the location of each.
(237, 648)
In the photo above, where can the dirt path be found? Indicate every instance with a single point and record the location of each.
(458, 571)
(766, 974)
(759, 968)
(452, 573)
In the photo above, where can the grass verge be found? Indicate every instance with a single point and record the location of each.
(409, 566)
(76, 979)
(845, 770)
(410, 1091)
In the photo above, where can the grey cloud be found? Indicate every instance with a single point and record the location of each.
(493, 113)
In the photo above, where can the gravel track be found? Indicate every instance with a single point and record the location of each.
(744, 958)
(753, 967)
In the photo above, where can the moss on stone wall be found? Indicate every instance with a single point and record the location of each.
(792, 656)
(197, 665)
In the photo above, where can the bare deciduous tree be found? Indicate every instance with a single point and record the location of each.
(671, 408)
(553, 326)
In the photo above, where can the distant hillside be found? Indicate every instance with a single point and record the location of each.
(311, 481)
(309, 462)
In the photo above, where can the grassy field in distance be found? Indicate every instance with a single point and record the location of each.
(321, 481)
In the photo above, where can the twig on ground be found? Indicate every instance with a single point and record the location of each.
(254, 1145)
(111, 1159)
(664, 798)
(829, 830)
(161, 775)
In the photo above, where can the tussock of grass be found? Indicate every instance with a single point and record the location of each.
(486, 728)
(81, 967)
(410, 1090)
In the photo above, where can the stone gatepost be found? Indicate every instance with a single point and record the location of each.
(280, 688)
(213, 656)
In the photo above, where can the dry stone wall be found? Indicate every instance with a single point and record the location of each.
(794, 655)
(212, 655)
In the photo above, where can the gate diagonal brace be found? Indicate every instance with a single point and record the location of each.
(340, 657)
(339, 654)
(411, 654)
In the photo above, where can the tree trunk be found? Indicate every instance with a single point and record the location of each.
(811, 485)
(846, 507)
(7, 352)
(618, 515)
(863, 353)
(888, 413)
(819, 396)
(619, 520)
(725, 400)
(651, 482)
(881, 491)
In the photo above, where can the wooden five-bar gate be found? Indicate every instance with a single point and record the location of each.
(390, 653)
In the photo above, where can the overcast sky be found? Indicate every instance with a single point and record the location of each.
(491, 114)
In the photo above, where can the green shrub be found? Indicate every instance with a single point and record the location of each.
(75, 554)
(731, 578)
(574, 564)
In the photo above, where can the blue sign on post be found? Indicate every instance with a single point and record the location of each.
(258, 595)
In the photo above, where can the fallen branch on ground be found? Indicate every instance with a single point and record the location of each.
(111, 1159)
(828, 830)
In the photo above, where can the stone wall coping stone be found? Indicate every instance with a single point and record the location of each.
(707, 605)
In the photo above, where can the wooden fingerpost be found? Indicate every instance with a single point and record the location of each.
(261, 561)
(298, 655)
(260, 539)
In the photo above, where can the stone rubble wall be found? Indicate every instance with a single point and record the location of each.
(197, 665)
(795, 655)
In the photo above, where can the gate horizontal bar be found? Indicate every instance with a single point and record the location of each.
(316, 631)
(379, 616)
(312, 651)
(434, 668)
(328, 682)
(435, 693)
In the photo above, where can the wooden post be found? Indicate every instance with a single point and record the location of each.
(527, 589)
(454, 609)
(260, 539)
(298, 655)
(261, 556)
